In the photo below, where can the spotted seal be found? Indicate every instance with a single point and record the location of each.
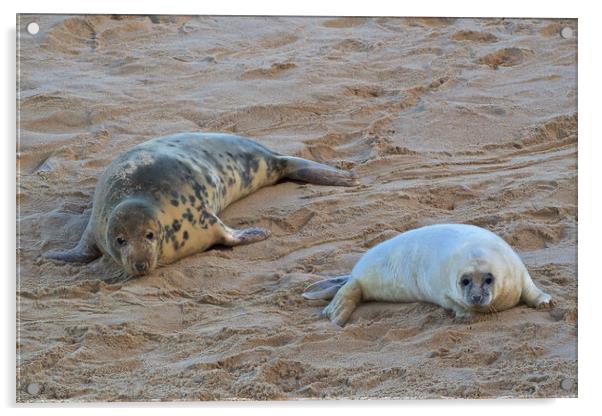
(159, 201)
(462, 268)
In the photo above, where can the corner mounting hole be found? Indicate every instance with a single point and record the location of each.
(33, 28)
(566, 32)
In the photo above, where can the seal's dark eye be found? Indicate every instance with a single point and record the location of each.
(489, 279)
(121, 241)
(150, 235)
(465, 282)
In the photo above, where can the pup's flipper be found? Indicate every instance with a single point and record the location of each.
(325, 289)
(344, 303)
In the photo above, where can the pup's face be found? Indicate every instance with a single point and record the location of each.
(133, 238)
(477, 288)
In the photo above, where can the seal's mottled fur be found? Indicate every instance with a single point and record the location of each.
(159, 201)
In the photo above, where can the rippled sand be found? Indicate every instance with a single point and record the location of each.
(445, 120)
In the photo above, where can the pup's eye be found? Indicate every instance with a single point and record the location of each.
(121, 241)
(465, 282)
(489, 279)
(150, 235)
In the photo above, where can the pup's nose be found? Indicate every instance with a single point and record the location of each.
(477, 298)
(140, 266)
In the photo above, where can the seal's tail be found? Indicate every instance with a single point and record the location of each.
(325, 289)
(318, 173)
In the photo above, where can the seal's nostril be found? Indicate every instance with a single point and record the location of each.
(140, 266)
(477, 298)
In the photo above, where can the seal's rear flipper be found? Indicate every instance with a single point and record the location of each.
(317, 173)
(344, 303)
(325, 289)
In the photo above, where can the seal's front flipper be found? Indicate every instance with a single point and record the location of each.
(462, 316)
(325, 289)
(344, 303)
(537, 299)
(75, 255)
(314, 172)
(232, 237)
(247, 236)
(84, 252)
(533, 296)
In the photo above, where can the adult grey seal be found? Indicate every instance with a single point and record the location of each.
(460, 267)
(159, 201)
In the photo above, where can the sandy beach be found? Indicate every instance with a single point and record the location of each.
(444, 120)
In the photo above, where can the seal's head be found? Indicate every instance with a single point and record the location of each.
(479, 271)
(133, 236)
(477, 287)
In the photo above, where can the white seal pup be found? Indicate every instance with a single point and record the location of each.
(160, 201)
(462, 268)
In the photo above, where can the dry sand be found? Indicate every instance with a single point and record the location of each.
(446, 120)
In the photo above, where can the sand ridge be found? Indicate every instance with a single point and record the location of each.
(445, 120)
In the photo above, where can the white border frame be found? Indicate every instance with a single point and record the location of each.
(589, 198)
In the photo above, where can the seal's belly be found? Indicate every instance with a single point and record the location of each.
(186, 221)
(380, 291)
(384, 277)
